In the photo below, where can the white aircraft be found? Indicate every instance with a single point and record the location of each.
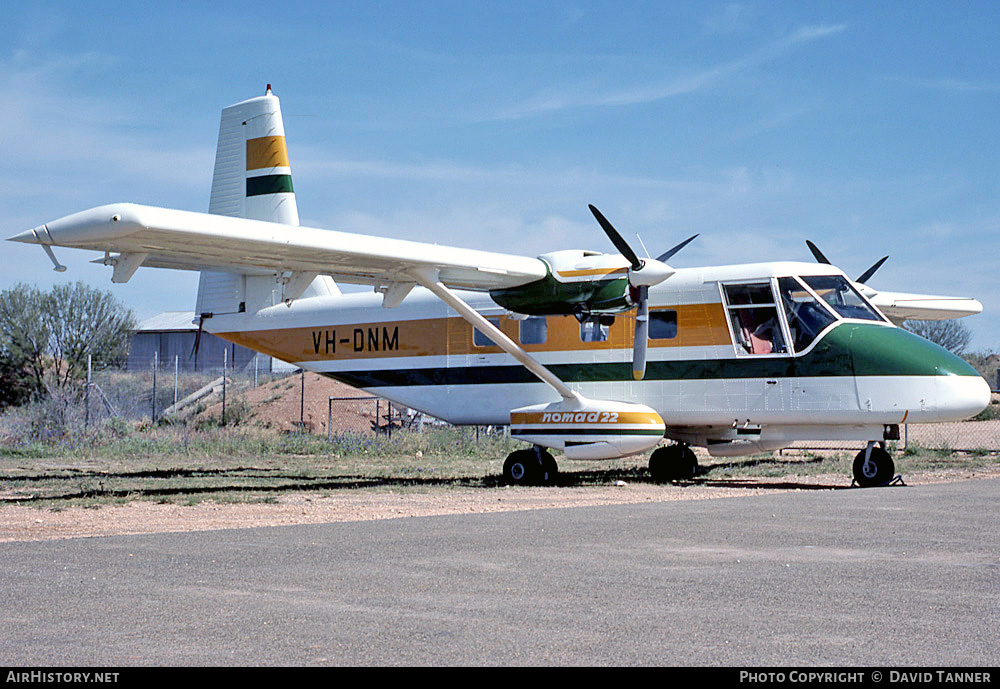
(591, 354)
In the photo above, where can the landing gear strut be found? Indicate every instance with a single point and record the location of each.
(534, 467)
(873, 466)
(673, 463)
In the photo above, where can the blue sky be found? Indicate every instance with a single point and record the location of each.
(869, 128)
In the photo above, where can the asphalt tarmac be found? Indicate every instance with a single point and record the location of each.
(878, 577)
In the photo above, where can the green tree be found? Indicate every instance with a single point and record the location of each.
(16, 382)
(45, 337)
(82, 320)
(950, 334)
(24, 334)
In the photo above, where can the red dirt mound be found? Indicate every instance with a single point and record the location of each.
(284, 402)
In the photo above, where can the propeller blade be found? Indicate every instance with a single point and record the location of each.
(641, 335)
(623, 248)
(871, 271)
(670, 254)
(817, 253)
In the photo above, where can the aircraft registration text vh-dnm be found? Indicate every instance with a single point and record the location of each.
(594, 355)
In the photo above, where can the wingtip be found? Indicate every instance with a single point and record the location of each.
(26, 237)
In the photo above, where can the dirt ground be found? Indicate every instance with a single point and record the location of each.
(280, 404)
(284, 403)
(19, 523)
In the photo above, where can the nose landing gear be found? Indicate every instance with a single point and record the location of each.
(873, 466)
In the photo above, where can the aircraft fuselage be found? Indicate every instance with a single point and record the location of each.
(711, 379)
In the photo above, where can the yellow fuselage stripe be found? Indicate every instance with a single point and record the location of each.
(697, 325)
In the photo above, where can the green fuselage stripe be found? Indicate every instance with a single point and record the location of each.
(850, 349)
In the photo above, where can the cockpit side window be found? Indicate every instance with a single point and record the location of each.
(841, 296)
(806, 317)
(753, 315)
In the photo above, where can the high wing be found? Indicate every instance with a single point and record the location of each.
(166, 238)
(901, 306)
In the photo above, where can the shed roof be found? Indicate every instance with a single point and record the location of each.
(169, 321)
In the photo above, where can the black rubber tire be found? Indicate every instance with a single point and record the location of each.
(549, 471)
(885, 468)
(673, 463)
(522, 468)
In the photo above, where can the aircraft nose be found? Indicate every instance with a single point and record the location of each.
(897, 372)
(964, 396)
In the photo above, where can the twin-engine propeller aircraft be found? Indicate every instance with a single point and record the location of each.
(590, 354)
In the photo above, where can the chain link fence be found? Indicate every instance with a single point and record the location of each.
(298, 402)
(976, 436)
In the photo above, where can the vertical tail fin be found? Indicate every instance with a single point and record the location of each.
(252, 179)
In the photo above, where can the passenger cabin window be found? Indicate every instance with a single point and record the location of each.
(806, 317)
(839, 294)
(480, 339)
(593, 330)
(662, 325)
(534, 330)
(753, 315)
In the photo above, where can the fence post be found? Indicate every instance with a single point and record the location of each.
(302, 401)
(156, 361)
(329, 420)
(225, 369)
(86, 394)
(175, 381)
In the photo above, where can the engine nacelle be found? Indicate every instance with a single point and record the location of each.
(578, 281)
(589, 429)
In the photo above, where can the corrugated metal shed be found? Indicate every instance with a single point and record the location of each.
(171, 335)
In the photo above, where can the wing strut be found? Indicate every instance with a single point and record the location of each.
(429, 278)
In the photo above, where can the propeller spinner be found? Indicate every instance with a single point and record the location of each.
(642, 274)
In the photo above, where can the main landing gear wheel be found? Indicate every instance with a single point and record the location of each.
(877, 471)
(530, 468)
(673, 463)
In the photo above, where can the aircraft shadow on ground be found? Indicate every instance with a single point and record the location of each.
(82, 485)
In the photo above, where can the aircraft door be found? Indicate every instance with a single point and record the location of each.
(761, 344)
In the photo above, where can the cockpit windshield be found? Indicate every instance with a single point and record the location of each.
(806, 317)
(841, 296)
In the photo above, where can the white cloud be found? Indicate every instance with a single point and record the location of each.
(563, 99)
